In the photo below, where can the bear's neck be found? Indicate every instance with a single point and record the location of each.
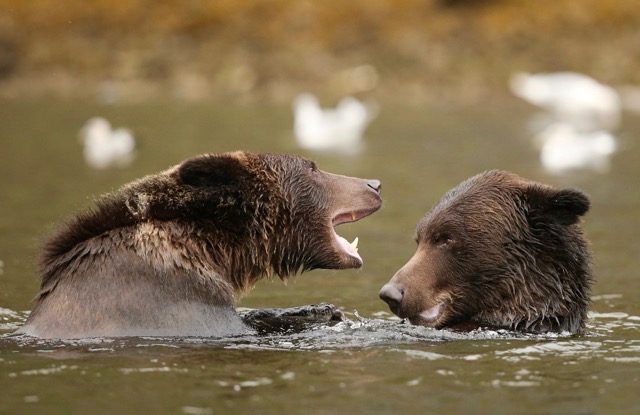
(241, 255)
(570, 315)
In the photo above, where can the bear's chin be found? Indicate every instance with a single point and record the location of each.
(335, 254)
(430, 317)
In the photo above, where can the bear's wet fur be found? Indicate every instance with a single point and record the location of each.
(170, 253)
(498, 251)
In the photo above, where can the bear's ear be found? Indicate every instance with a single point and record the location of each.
(211, 171)
(565, 205)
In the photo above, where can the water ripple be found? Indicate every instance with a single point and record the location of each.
(357, 332)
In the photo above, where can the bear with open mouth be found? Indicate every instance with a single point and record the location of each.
(169, 254)
(498, 251)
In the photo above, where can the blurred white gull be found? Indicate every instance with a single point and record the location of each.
(104, 147)
(564, 148)
(335, 129)
(572, 98)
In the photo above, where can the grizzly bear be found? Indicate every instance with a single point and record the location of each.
(498, 251)
(169, 254)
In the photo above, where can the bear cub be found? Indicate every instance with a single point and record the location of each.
(169, 254)
(498, 251)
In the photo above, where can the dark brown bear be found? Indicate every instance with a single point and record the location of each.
(169, 254)
(498, 251)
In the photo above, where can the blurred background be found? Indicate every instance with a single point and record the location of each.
(418, 94)
(414, 51)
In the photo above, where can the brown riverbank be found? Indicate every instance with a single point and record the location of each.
(415, 50)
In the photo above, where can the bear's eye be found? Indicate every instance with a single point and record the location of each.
(313, 167)
(443, 239)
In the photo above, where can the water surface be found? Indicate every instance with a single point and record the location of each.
(368, 364)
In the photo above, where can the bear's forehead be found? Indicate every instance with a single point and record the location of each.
(482, 202)
(477, 200)
(286, 161)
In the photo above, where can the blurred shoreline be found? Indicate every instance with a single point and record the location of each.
(269, 51)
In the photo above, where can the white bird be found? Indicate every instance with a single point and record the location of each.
(335, 129)
(571, 98)
(104, 147)
(565, 148)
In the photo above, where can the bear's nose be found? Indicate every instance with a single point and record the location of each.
(375, 185)
(392, 295)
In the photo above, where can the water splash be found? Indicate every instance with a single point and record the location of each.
(10, 320)
(357, 332)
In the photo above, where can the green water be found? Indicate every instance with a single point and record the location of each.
(372, 365)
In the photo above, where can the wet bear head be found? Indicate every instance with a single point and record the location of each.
(498, 251)
(267, 212)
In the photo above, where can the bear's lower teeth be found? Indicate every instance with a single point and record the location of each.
(354, 244)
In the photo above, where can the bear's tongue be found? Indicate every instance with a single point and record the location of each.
(349, 248)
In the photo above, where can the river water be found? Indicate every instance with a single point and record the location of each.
(370, 363)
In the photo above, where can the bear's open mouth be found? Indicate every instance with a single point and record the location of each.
(350, 248)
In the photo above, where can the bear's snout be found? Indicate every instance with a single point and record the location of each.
(392, 295)
(375, 185)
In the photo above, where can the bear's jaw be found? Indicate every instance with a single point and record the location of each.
(428, 317)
